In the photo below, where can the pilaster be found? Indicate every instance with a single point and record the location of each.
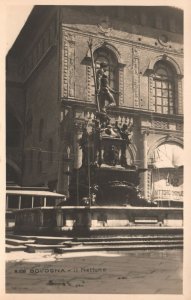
(136, 78)
(145, 133)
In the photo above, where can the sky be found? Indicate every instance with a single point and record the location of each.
(16, 17)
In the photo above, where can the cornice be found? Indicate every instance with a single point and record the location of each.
(75, 103)
(126, 41)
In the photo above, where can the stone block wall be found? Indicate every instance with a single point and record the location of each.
(42, 102)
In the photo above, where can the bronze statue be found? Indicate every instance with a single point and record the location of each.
(104, 91)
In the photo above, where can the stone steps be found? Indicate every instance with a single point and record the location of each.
(118, 248)
(32, 248)
(33, 244)
(105, 246)
(52, 240)
(38, 239)
(15, 242)
(11, 248)
(19, 237)
(158, 241)
(129, 238)
(134, 230)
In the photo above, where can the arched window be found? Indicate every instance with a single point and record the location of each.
(50, 150)
(163, 88)
(103, 55)
(41, 129)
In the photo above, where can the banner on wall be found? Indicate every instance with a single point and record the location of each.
(167, 173)
(167, 184)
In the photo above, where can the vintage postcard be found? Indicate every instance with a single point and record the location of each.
(96, 191)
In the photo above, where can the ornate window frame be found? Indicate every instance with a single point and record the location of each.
(178, 97)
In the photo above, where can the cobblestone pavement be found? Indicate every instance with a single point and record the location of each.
(133, 272)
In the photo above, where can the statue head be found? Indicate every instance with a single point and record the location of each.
(104, 66)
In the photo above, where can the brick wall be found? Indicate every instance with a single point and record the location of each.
(134, 45)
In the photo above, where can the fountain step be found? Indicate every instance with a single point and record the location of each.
(52, 240)
(134, 242)
(32, 248)
(11, 248)
(142, 239)
(16, 242)
(104, 246)
(129, 238)
(118, 248)
(19, 237)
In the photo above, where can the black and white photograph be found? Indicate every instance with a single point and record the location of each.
(94, 200)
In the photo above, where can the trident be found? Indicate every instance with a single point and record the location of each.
(94, 73)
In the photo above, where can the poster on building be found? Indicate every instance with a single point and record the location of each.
(167, 173)
(168, 185)
(94, 197)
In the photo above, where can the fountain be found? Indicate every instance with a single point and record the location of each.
(105, 178)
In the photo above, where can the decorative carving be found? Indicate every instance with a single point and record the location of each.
(149, 183)
(136, 78)
(105, 27)
(172, 126)
(163, 40)
(159, 124)
(145, 123)
(179, 126)
(151, 97)
(71, 69)
(89, 82)
(69, 36)
(121, 86)
(179, 96)
(69, 65)
(65, 70)
(79, 125)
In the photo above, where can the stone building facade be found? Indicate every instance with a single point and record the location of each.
(51, 93)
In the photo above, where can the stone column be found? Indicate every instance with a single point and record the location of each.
(145, 162)
(19, 202)
(77, 151)
(32, 201)
(59, 218)
(78, 128)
